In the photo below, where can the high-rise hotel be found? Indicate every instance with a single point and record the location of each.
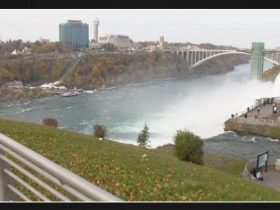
(75, 33)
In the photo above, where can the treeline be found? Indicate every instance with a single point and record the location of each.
(32, 71)
(210, 46)
(109, 69)
(37, 47)
(14, 94)
(103, 70)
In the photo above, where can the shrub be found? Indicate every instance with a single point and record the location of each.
(50, 122)
(100, 131)
(188, 147)
(143, 137)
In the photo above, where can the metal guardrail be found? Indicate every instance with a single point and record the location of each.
(20, 167)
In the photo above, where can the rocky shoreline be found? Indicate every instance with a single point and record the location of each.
(22, 94)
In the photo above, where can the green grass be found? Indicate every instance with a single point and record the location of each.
(226, 164)
(121, 170)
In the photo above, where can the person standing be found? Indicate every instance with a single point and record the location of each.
(274, 109)
(259, 175)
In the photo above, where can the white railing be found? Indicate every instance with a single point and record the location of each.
(26, 175)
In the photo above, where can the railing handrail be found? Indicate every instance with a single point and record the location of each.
(65, 176)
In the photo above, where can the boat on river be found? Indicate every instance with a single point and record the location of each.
(69, 94)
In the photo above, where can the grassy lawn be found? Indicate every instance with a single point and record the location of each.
(121, 170)
(226, 164)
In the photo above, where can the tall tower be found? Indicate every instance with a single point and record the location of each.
(95, 29)
(161, 42)
(257, 59)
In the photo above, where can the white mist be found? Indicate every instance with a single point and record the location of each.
(210, 103)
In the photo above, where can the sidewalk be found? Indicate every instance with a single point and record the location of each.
(271, 178)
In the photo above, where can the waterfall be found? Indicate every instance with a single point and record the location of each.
(276, 87)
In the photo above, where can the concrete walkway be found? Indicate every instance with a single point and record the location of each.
(265, 112)
(271, 178)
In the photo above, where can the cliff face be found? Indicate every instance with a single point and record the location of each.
(262, 130)
(271, 74)
(101, 70)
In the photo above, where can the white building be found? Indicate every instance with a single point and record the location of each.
(26, 51)
(161, 43)
(44, 40)
(94, 45)
(119, 41)
(15, 53)
(95, 29)
(15, 84)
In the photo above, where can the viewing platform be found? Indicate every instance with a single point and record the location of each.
(264, 122)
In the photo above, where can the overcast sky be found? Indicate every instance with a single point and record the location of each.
(222, 27)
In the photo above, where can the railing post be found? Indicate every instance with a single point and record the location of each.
(5, 193)
(3, 182)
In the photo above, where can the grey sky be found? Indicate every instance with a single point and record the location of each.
(222, 27)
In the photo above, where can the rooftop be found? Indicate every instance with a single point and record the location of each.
(74, 21)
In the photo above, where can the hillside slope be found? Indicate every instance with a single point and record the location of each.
(121, 169)
(105, 70)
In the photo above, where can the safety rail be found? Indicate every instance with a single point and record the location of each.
(20, 167)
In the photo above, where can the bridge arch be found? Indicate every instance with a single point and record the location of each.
(217, 55)
(272, 61)
(229, 53)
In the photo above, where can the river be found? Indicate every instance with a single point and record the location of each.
(198, 104)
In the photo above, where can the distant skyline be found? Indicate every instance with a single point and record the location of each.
(217, 26)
